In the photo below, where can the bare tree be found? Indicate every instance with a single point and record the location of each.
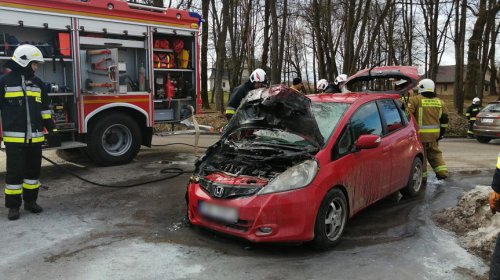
(221, 54)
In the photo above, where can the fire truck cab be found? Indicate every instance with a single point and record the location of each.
(112, 68)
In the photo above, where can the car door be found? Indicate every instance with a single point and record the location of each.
(397, 137)
(363, 171)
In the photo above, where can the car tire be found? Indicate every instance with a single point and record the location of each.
(113, 139)
(482, 139)
(415, 180)
(331, 220)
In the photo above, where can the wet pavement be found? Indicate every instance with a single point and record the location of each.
(90, 232)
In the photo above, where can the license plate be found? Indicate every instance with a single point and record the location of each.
(487, 120)
(226, 214)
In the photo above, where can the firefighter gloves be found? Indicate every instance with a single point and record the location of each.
(494, 202)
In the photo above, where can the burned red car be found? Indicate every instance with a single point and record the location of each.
(290, 167)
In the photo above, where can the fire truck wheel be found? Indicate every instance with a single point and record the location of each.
(113, 139)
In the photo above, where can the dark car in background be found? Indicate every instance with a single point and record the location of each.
(487, 125)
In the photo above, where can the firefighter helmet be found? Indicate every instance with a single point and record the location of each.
(258, 76)
(24, 54)
(426, 85)
(322, 84)
(342, 78)
(476, 101)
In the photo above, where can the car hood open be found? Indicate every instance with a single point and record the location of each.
(380, 79)
(277, 107)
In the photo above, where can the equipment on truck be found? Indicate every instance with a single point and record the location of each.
(104, 62)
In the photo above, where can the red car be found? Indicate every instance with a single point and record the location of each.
(291, 167)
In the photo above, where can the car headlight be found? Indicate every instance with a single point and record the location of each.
(295, 177)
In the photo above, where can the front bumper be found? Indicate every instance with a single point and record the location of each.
(290, 215)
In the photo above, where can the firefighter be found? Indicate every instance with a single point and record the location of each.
(471, 113)
(336, 87)
(256, 80)
(494, 202)
(432, 118)
(25, 113)
(321, 85)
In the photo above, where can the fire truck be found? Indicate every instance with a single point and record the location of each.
(113, 69)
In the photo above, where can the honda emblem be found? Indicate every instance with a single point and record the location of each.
(218, 191)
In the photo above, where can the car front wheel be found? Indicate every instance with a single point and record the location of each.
(331, 220)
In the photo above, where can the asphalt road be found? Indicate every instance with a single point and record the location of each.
(90, 232)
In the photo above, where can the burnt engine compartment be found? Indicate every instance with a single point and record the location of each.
(265, 161)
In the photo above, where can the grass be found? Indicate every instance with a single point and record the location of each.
(212, 105)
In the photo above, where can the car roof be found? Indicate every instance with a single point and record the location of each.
(350, 97)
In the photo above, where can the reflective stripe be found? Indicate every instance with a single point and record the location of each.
(31, 186)
(21, 134)
(472, 119)
(13, 192)
(30, 181)
(34, 94)
(420, 113)
(467, 114)
(441, 168)
(429, 130)
(498, 162)
(18, 88)
(37, 89)
(230, 111)
(13, 140)
(46, 112)
(444, 125)
(14, 187)
(431, 103)
(37, 139)
(13, 134)
(475, 109)
(46, 116)
(12, 94)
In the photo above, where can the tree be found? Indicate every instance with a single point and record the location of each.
(221, 54)
(459, 41)
(204, 51)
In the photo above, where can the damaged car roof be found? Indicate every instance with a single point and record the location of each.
(277, 107)
(382, 79)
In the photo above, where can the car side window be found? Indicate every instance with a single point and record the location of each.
(344, 145)
(391, 116)
(366, 120)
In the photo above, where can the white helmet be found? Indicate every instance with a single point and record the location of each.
(340, 79)
(258, 75)
(476, 100)
(322, 84)
(426, 85)
(24, 54)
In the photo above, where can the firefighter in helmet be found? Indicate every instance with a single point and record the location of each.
(432, 118)
(336, 87)
(25, 113)
(256, 80)
(321, 85)
(494, 202)
(471, 114)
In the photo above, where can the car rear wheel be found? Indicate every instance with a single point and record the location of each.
(331, 220)
(481, 139)
(415, 181)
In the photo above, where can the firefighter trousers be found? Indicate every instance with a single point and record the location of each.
(495, 261)
(434, 156)
(469, 129)
(23, 172)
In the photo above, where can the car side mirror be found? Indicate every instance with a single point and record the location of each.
(368, 141)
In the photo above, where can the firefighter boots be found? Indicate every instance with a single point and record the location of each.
(32, 206)
(13, 214)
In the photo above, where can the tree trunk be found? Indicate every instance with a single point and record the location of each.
(460, 17)
(204, 51)
(221, 55)
(265, 50)
(275, 74)
(493, 67)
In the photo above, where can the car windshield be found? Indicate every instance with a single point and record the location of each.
(327, 115)
(492, 108)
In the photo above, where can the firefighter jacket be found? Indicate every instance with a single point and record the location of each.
(431, 115)
(472, 112)
(25, 109)
(237, 95)
(495, 185)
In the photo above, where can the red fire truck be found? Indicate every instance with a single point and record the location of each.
(113, 68)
